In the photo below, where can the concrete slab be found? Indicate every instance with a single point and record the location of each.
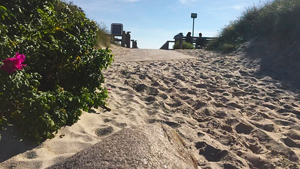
(150, 54)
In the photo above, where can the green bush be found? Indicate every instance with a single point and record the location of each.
(274, 20)
(64, 67)
(185, 45)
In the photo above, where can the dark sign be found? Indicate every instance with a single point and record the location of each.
(116, 29)
(194, 15)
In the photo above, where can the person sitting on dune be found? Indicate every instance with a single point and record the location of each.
(189, 38)
(200, 42)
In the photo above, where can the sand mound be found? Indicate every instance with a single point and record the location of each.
(119, 51)
(230, 114)
(150, 146)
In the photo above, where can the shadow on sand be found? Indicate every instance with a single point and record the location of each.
(281, 62)
(12, 143)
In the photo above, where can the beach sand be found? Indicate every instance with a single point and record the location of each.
(229, 115)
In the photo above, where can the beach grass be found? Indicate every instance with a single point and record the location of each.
(103, 39)
(275, 19)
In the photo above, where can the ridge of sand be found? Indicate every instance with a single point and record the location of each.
(150, 146)
(229, 115)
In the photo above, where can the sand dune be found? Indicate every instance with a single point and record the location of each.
(230, 115)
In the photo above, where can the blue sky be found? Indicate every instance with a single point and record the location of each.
(153, 22)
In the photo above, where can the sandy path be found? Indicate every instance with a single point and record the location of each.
(150, 55)
(230, 116)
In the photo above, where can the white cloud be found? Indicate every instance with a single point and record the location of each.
(234, 7)
(238, 7)
(131, 0)
(186, 1)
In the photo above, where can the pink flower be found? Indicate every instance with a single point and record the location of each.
(13, 64)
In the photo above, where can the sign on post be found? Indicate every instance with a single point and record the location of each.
(116, 29)
(194, 15)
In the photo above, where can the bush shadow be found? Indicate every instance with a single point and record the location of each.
(13, 143)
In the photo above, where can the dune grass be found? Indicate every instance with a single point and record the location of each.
(103, 39)
(277, 20)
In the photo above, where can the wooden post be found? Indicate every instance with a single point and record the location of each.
(128, 39)
(123, 39)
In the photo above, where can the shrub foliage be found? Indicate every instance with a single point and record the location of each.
(185, 45)
(63, 73)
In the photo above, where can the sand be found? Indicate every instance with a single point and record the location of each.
(229, 115)
(152, 146)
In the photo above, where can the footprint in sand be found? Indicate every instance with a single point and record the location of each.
(184, 97)
(269, 105)
(294, 134)
(180, 77)
(227, 128)
(155, 84)
(117, 124)
(31, 155)
(169, 123)
(211, 153)
(276, 147)
(152, 91)
(140, 88)
(290, 143)
(202, 86)
(175, 103)
(150, 99)
(256, 161)
(104, 131)
(198, 105)
(243, 128)
(234, 105)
